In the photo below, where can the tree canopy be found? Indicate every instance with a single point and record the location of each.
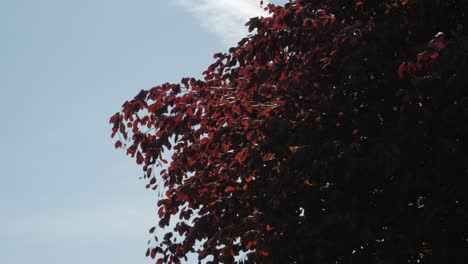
(336, 132)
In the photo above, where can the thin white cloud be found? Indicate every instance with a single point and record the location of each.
(224, 18)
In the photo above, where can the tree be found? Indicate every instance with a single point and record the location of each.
(336, 132)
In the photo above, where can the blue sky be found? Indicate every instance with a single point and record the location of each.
(67, 196)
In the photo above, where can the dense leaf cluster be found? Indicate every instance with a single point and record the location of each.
(335, 133)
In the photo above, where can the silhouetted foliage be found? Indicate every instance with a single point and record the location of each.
(335, 133)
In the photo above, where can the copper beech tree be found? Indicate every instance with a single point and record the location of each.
(336, 132)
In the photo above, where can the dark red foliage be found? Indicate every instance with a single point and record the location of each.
(335, 133)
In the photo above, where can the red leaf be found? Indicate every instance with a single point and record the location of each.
(189, 112)
(225, 147)
(250, 135)
(160, 133)
(114, 131)
(151, 231)
(267, 111)
(153, 253)
(139, 158)
(161, 212)
(118, 144)
(122, 128)
(401, 70)
(191, 161)
(115, 118)
(229, 189)
(434, 55)
(250, 244)
(241, 156)
(269, 156)
(283, 76)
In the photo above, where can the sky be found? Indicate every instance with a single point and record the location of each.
(66, 195)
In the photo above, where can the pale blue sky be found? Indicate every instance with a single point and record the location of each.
(66, 195)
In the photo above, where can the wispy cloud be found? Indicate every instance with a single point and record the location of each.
(225, 18)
